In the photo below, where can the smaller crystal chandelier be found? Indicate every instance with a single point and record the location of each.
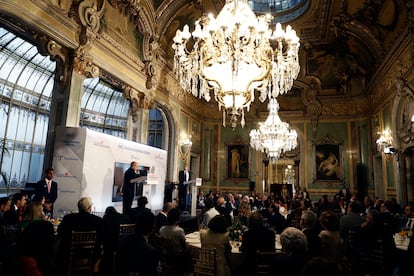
(233, 55)
(273, 136)
(385, 140)
(184, 146)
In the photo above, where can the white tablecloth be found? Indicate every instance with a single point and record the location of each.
(194, 240)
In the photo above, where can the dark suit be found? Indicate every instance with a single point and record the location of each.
(182, 189)
(82, 221)
(160, 220)
(109, 241)
(136, 212)
(128, 190)
(11, 217)
(137, 255)
(41, 189)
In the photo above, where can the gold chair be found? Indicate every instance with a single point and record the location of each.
(127, 229)
(263, 261)
(372, 259)
(10, 235)
(205, 264)
(81, 252)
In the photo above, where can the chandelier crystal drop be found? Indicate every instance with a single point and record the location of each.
(273, 136)
(233, 55)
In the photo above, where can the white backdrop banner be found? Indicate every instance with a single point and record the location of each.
(90, 163)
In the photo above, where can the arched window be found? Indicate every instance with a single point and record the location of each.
(104, 108)
(26, 84)
(155, 128)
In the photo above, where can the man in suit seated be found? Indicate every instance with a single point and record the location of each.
(81, 221)
(14, 215)
(136, 212)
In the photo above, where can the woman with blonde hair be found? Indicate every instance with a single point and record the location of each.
(31, 213)
(245, 210)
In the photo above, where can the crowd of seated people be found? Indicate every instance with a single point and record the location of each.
(313, 235)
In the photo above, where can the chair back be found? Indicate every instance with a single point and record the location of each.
(81, 252)
(372, 259)
(10, 235)
(263, 261)
(126, 229)
(205, 265)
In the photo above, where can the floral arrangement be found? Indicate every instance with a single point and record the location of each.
(236, 231)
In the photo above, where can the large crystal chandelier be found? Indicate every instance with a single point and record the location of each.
(233, 55)
(273, 136)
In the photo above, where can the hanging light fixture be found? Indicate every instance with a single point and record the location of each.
(233, 55)
(273, 136)
(384, 141)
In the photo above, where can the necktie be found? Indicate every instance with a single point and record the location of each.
(48, 186)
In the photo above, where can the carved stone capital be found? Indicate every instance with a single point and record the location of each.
(138, 100)
(84, 65)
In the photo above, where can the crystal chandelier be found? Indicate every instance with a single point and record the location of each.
(233, 55)
(273, 136)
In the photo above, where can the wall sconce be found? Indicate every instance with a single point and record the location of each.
(184, 146)
(390, 150)
(385, 140)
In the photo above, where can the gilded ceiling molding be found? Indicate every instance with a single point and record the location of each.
(168, 11)
(343, 25)
(58, 54)
(90, 16)
(312, 103)
(64, 5)
(129, 7)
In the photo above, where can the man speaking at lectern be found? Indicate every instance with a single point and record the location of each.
(131, 177)
(183, 177)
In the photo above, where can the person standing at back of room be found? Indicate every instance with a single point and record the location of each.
(183, 177)
(48, 188)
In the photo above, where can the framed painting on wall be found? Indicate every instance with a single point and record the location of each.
(328, 160)
(238, 161)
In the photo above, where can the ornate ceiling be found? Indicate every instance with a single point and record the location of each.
(343, 43)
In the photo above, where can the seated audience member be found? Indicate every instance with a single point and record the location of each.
(217, 236)
(308, 226)
(15, 214)
(330, 236)
(81, 221)
(134, 213)
(46, 212)
(35, 251)
(31, 213)
(112, 219)
(276, 220)
(162, 218)
(210, 212)
(245, 210)
(221, 208)
(257, 238)
(178, 260)
(294, 253)
(5, 204)
(136, 254)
